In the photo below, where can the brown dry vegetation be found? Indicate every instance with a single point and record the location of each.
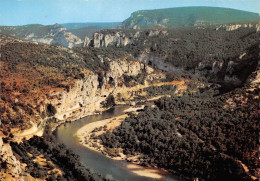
(25, 84)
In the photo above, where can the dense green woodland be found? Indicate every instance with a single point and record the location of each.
(188, 16)
(193, 135)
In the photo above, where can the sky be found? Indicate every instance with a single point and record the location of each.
(46, 12)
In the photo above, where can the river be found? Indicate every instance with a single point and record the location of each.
(96, 161)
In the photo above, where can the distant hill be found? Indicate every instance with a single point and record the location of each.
(107, 25)
(23, 31)
(82, 30)
(187, 16)
(68, 35)
(50, 34)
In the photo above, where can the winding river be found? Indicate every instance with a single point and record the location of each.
(95, 161)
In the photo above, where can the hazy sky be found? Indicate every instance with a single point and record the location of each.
(21, 12)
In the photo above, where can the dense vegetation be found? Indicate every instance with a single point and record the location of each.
(196, 135)
(188, 16)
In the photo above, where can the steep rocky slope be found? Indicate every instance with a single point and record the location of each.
(218, 53)
(186, 16)
(52, 34)
(10, 167)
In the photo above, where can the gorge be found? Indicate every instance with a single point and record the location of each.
(192, 92)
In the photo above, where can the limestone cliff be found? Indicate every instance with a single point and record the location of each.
(232, 27)
(189, 50)
(10, 166)
(118, 38)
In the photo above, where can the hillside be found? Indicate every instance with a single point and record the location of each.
(21, 31)
(87, 31)
(106, 25)
(50, 34)
(43, 86)
(204, 51)
(196, 135)
(68, 34)
(187, 16)
(204, 135)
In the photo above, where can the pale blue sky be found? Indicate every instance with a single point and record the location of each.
(21, 12)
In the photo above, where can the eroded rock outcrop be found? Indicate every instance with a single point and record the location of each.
(117, 38)
(232, 27)
(10, 166)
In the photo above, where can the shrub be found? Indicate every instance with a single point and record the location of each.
(51, 110)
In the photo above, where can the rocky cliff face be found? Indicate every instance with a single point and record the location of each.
(157, 62)
(232, 27)
(189, 50)
(10, 166)
(118, 38)
(86, 95)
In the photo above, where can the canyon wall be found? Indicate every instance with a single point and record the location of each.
(190, 50)
(87, 95)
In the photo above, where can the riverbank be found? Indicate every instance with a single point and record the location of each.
(87, 134)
